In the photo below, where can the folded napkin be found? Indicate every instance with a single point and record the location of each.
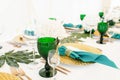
(78, 26)
(70, 25)
(86, 56)
(116, 36)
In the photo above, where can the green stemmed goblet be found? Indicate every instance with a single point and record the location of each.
(44, 45)
(82, 16)
(102, 28)
(101, 14)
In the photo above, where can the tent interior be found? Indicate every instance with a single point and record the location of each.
(16, 15)
(84, 34)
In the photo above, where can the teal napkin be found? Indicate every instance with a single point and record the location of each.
(78, 26)
(86, 56)
(70, 25)
(116, 36)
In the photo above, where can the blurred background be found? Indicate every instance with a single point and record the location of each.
(15, 15)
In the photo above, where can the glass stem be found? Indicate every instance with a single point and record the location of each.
(0, 47)
(33, 54)
(101, 38)
(53, 71)
(90, 33)
(47, 68)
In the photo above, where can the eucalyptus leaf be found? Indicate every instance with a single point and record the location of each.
(74, 37)
(22, 53)
(11, 62)
(22, 57)
(2, 60)
(12, 58)
(9, 53)
(36, 56)
(27, 61)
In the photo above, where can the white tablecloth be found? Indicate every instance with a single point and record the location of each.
(89, 72)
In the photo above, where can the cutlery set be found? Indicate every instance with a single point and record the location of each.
(19, 73)
(59, 68)
(62, 70)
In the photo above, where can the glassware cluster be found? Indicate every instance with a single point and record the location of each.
(102, 27)
(44, 45)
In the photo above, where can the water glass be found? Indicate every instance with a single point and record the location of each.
(53, 60)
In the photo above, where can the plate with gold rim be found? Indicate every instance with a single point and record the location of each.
(7, 76)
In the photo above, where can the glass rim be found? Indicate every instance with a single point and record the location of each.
(46, 40)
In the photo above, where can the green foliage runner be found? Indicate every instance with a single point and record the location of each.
(74, 37)
(12, 58)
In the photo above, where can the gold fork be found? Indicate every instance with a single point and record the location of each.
(15, 72)
(22, 73)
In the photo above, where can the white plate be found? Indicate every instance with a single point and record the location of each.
(30, 37)
(72, 28)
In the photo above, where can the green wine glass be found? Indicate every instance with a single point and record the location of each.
(44, 45)
(102, 29)
(82, 16)
(101, 14)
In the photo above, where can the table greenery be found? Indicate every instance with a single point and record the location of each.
(111, 23)
(74, 37)
(12, 58)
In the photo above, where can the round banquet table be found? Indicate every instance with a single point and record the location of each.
(87, 72)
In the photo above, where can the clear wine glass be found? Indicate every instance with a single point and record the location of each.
(91, 29)
(53, 60)
(1, 32)
(33, 46)
(30, 34)
(82, 17)
(90, 23)
(110, 33)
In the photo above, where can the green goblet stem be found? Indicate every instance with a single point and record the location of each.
(47, 68)
(101, 38)
(102, 28)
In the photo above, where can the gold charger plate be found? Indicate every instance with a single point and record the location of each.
(81, 46)
(7, 76)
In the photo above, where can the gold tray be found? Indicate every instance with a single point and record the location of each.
(7, 76)
(68, 60)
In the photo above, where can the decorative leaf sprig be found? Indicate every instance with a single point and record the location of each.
(12, 58)
(74, 37)
(51, 18)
